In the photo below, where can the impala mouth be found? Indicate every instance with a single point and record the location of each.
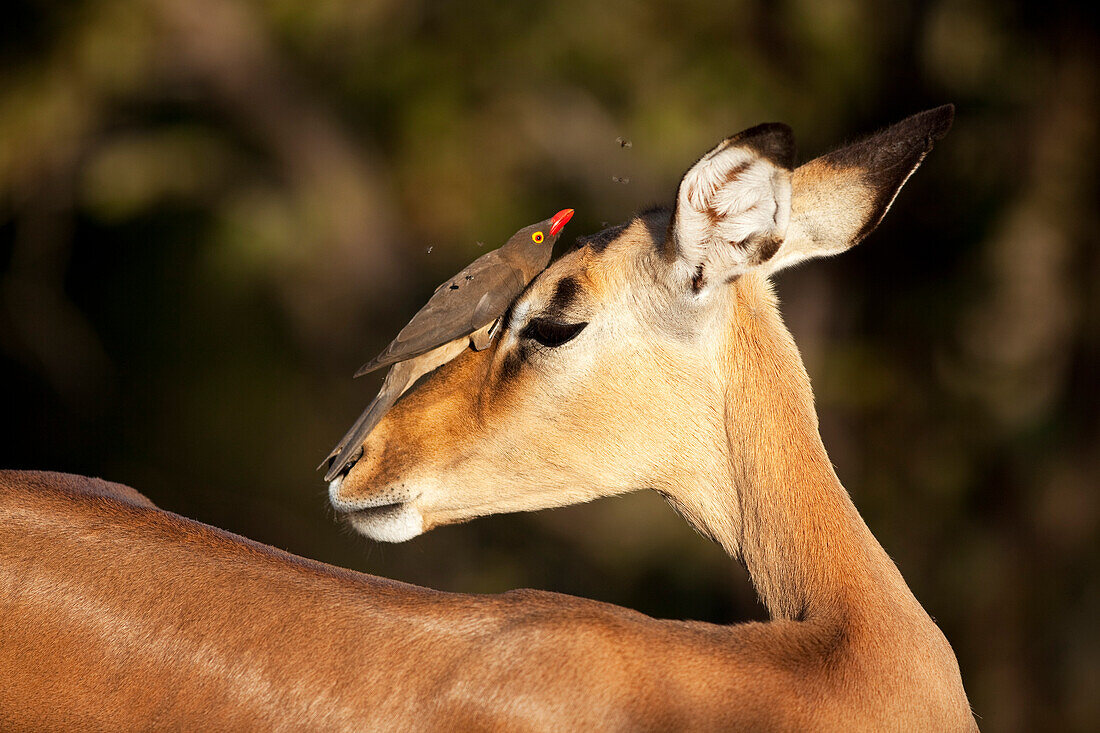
(380, 518)
(388, 523)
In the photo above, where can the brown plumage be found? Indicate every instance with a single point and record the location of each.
(464, 306)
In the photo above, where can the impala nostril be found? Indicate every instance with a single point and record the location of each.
(349, 463)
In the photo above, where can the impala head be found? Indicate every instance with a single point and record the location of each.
(623, 365)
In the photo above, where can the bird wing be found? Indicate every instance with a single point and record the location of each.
(469, 300)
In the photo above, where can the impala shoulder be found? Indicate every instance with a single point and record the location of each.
(541, 603)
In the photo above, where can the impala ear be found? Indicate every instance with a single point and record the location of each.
(733, 206)
(838, 199)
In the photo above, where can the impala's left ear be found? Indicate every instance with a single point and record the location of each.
(733, 207)
(839, 198)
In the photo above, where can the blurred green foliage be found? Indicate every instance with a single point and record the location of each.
(211, 212)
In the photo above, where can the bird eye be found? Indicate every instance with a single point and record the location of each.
(551, 333)
(537, 236)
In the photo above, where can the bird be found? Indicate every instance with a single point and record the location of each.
(463, 310)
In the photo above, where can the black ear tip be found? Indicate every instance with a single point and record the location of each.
(937, 121)
(771, 140)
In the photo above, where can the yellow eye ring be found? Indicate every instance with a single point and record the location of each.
(537, 236)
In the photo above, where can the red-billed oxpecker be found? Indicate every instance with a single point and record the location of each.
(461, 313)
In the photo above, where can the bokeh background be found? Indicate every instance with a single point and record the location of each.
(212, 211)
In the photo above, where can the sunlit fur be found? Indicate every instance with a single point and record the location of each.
(698, 392)
(730, 202)
(533, 410)
(116, 613)
(705, 401)
(644, 396)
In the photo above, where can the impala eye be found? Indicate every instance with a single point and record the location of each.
(537, 237)
(551, 333)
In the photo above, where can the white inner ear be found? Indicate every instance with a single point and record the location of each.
(729, 202)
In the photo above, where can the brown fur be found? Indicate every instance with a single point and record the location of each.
(699, 393)
(120, 615)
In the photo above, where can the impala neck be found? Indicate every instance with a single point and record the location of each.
(783, 511)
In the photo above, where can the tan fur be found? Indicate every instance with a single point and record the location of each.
(811, 234)
(746, 467)
(701, 395)
(119, 615)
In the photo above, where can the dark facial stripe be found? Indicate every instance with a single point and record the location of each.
(509, 369)
(598, 242)
(699, 280)
(656, 219)
(565, 293)
(653, 210)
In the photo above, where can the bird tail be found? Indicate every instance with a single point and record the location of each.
(376, 363)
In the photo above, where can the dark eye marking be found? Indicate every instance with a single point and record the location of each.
(551, 333)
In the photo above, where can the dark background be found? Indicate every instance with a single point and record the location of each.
(212, 212)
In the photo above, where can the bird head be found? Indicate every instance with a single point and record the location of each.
(544, 233)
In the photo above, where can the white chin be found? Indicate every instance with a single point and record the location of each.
(392, 523)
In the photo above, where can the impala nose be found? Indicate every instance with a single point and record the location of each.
(333, 471)
(334, 490)
(338, 502)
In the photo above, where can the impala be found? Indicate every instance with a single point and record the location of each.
(651, 356)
